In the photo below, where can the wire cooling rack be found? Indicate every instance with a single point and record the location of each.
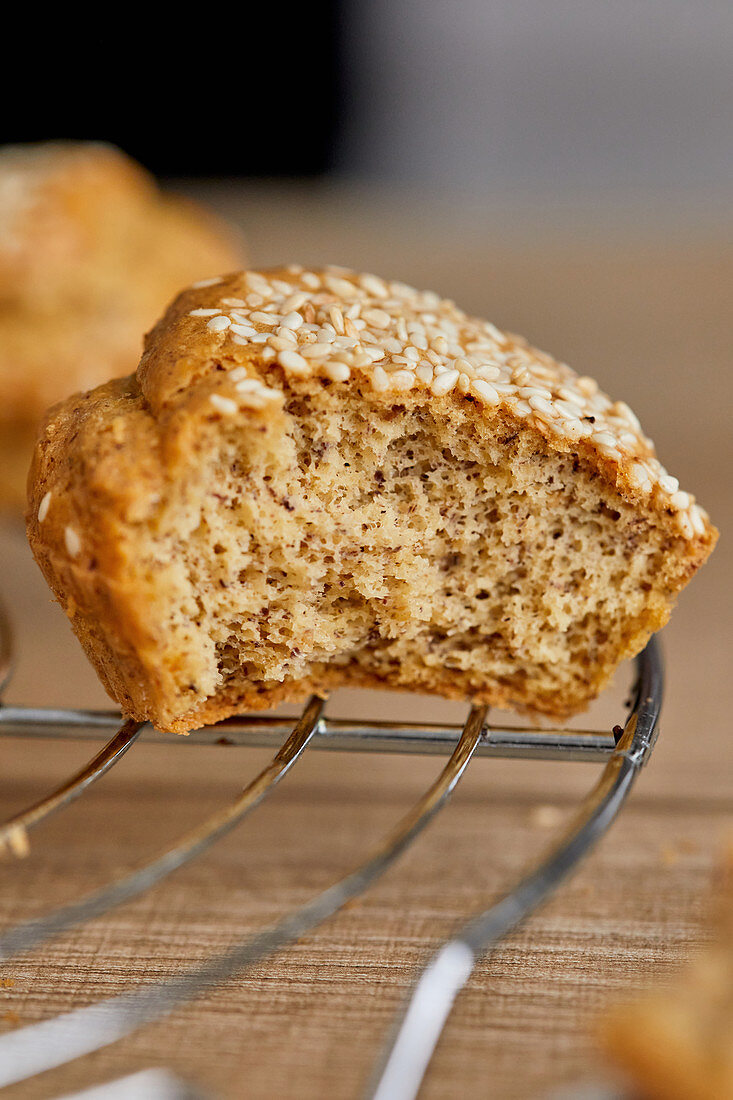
(407, 1053)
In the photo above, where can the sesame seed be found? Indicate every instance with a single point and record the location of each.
(224, 404)
(339, 286)
(235, 302)
(292, 361)
(569, 410)
(494, 332)
(695, 515)
(680, 500)
(206, 282)
(374, 285)
(237, 374)
(484, 391)
(337, 372)
(669, 484)
(603, 439)
(292, 320)
(685, 525)
(380, 379)
(44, 506)
(282, 343)
(261, 318)
(243, 330)
(638, 475)
(218, 324)
(377, 318)
(444, 383)
(287, 334)
(489, 374)
(542, 407)
(316, 351)
(402, 380)
(73, 542)
(294, 302)
(337, 319)
(204, 312)
(573, 429)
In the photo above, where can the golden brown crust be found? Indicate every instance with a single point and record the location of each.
(112, 468)
(90, 251)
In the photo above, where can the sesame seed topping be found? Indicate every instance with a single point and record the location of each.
(680, 500)
(400, 339)
(374, 285)
(218, 324)
(224, 404)
(444, 383)
(243, 330)
(72, 541)
(292, 361)
(337, 372)
(44, 506)
(316, 351)
(206, 282)
(484, 391)
(669, 484)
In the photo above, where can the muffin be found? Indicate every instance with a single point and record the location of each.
(677, 1044)
(90, 253)
(319, 478)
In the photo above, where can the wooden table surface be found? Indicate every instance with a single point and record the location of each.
(643, 306)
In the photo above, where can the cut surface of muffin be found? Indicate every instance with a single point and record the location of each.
(319, 478)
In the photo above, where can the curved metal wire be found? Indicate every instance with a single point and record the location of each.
(408, 1054)
(32, 933)
(31, 1050)
(13, 831)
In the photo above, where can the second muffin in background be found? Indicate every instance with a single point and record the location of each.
(90, 253)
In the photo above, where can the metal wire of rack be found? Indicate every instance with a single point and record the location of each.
(33, 1049)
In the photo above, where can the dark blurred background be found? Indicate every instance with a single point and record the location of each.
(503, 95)
(244, 90)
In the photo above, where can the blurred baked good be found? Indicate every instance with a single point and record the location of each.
(320, 478)
(90, 253)
(677, 1043)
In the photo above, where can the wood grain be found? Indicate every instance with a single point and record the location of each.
(647, 316)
